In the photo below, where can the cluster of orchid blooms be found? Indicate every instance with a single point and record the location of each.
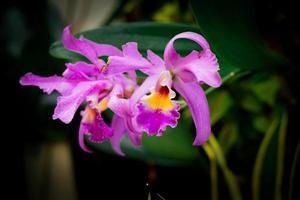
(147, 107)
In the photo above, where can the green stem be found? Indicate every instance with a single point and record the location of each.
(213, 171)
(228, 175)
(293, 171)
(260, 158)
(280, 158)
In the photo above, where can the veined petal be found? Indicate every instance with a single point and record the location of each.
(130, 61)
(81, 71)
(198, 105)
(203, 69)
(170, 54)
(67, 105)
(48, 84)
(87, 48)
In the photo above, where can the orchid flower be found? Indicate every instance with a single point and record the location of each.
(82, 81)
(150, 107)
(152, 113)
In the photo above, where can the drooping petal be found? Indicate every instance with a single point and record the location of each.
(49, 84)
(81, 71)
(93, 124)
(99, 130)
(67, 105)
(118, 128)
(87, 48)
(83, 130)
(170, 54)
(198, 105)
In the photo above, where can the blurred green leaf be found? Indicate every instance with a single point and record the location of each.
(230, 28)
(266, 90)
(261, 123)
(219, 104)
(251, 104)
(228, 136)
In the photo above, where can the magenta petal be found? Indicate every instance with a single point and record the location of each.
(83, 130)
(130, 61)
(157, 62)
(118, 128)
(48, 84)
(146, 86)
(198, 105)
(170, 54)
(67, 105)
(99, 131)
(87, 48)
(204, 68)
(81, 71)
(155, 121)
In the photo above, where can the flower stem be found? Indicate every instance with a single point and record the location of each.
(260, 158)
(228, 175)
(213, 171)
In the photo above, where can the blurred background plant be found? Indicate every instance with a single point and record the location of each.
(254, 150)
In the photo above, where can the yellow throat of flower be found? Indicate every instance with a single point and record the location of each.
(160, 99)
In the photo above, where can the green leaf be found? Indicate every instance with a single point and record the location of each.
(148, 35)
(228, 136)
(266, 89)
(230, 28)
(219, 103)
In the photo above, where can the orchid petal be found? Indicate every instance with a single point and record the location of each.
(155, 122)
(48, 84)
(130, 61)
(87, 48)
(155, 60)
(148, 84)
(67, 105)
(198, 105)
(203, 69)
(170, 54)
(118, 128)
(82, 131)
(81, 71)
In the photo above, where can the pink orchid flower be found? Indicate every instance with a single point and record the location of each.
(152, 106)
(86, 82)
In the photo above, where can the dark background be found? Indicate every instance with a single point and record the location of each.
(100, 175)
